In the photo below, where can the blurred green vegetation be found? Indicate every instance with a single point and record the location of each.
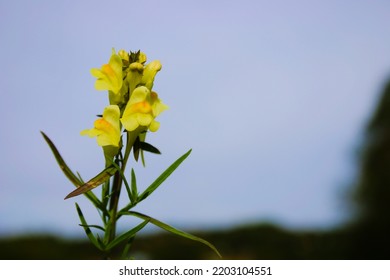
(263, 241)
(250, 242)
(366, 236)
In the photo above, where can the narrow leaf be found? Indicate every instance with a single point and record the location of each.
(127, 247)
(133, 193)
(134, 189)
(93, 226)
(80, 179)
(127, 235)
(94, 182)
(105, 194)
(64, 167)
(143, 158)
(124, 180)
(142, 137)
(136, 148)
(77, 181)
(148, 148)
(174, 230)
(163, 176)
(87, 230)
(100, 241)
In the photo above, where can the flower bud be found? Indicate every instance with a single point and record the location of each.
(136, 66)
(124, 55)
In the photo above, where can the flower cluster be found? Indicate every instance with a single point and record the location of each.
(133, 104)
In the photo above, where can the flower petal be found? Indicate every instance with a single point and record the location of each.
(150, 72)
(144, 119)
(106, 129)
(154, 126)
(109, 77)
(129, 122)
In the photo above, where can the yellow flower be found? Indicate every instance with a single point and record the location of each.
(124, 55)
(109, 77)
(141, 110)
(150, 72)
(142, 58)
(134, 76)
(106, 129)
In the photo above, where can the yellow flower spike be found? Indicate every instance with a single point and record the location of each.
(106, 129)
(150, 72)
(141, 110)
(109, 77)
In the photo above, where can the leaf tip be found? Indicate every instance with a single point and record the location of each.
(72, 194)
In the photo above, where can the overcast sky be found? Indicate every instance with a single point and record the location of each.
(272, 96)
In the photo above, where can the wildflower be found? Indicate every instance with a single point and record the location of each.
(141, 110)
(109, 77)
(150, 72)
(107, 128)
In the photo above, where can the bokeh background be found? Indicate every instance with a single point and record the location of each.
(281, 102)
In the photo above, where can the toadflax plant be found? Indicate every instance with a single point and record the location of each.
(121, 129)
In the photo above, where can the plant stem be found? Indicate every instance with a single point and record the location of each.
(127, 248)
(116, 188)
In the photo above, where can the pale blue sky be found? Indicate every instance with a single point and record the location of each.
(272, 96)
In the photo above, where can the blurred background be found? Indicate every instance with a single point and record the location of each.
(286, 106)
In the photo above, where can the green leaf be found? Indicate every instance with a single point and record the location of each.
(141, 137)
(163, 177)
(134, 189)
(134, 195)
(143, 158)
(148, 148)
(64, 167)
(124, 180)
(125, 236)
(79, 176)
(173, 230)
(93, 226)
(100, 241)
(77, 181)
(87, 229)
(136, 148)
(140, 146)
(94, 182)
(127, 248)
(105, 193)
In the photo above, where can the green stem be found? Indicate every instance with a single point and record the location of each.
(127, 248)
(114, 199)
(116, 188)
